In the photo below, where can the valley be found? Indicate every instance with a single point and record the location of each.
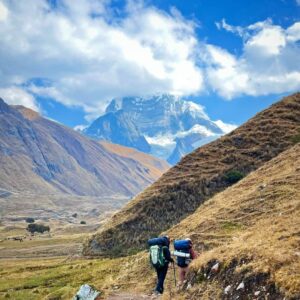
(149, 150)
(246, 231)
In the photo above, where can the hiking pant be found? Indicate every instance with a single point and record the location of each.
(161, 275)
(182, 274)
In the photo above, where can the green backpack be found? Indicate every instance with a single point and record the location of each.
(157, 258)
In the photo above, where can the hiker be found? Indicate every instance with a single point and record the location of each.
(185, 254)
(160, 257)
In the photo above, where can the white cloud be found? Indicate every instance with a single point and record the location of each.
(3, 12)
(89, 55)
(15, 95)
(234, 29)
(90, 60)
(226, 127)
(269, 62)
(293, 32)
(298, 2)
(80, 127)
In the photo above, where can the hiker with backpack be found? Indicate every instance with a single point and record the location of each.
(185, 254)
(160, 257)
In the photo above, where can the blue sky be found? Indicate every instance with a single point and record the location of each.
(68, 59)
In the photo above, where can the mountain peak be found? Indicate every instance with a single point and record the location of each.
(147, 121)
(4, 107)
(114, 106)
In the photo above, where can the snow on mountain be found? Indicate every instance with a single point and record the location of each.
(165, 126)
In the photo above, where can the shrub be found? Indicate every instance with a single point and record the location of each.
(233, 176)
(32, 228)
(296, 138)
(83, 222)
(29, 220)
(75, 215)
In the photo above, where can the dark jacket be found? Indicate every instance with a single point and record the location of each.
(167, 254)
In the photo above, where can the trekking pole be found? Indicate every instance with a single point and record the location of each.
(174, 274)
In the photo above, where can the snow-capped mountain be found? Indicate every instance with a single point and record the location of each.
(165, 126)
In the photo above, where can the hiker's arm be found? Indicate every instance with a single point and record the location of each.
(167, 255)
(193, 253)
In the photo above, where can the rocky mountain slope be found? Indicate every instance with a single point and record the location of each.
(166, 126)
(39, 156)
(199, 176)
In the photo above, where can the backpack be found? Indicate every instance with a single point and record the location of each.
(157, 258)
(183, 246)
(183, 262)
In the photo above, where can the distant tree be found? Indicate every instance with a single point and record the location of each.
(29, 220)
(233, 176)
(75, 215)
(40, 228)
(83, 222)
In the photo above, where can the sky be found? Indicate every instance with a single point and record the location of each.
(67, 59)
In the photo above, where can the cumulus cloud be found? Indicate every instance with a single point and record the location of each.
(226, 127)
(90, 56)
(3, 12)
(269, 62)
(15, 95)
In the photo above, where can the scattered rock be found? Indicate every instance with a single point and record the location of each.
(241, 286)
(256, 293)
(215, 268)
(227, 289)
(86, 292)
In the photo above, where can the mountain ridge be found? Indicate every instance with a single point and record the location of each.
(42, 156)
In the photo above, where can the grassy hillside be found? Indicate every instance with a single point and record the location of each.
(251, 231)
(199, 176)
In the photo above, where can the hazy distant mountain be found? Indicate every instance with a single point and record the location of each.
(40, 156)
(165, 126)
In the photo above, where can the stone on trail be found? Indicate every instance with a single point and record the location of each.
(241, 286)
(227, 289)
(86, 293)
(215, 268)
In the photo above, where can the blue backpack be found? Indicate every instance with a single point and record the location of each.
(183, 246)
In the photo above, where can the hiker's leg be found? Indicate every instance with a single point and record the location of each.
(182, 273)
(162, 275)
(157, 273)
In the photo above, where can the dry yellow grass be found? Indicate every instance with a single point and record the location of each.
(260, 227)
(254, 235)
